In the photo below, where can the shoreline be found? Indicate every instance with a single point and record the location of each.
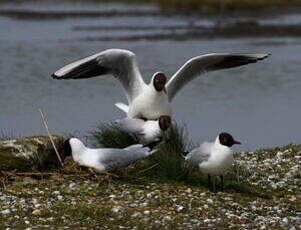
(63, 14)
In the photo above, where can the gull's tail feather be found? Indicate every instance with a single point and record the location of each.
(122, 106)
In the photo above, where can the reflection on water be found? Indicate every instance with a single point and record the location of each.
(259, 103)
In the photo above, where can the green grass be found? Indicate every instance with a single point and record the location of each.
(166, 163)
(109, 136)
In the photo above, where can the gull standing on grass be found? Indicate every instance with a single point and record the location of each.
(146, 131)
(106, 159)
(149, 101)
(213, 158)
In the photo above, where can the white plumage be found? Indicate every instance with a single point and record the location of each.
(213, 158)
(146, 131)
(148, 101)
(106, 159)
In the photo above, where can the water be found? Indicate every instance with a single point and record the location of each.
(259, 103)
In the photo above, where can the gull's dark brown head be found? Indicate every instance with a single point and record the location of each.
(164, 122)
(159, 81)
(65, 148)
(227, 139)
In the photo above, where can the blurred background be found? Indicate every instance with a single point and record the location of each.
(259, 103)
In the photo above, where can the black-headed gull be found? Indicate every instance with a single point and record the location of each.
(150, 101)
(213, 158)
(106, 159)
(147, 131)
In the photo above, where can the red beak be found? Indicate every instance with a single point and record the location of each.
(237, 143)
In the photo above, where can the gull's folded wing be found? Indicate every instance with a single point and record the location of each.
(199, 155)
(119, 158)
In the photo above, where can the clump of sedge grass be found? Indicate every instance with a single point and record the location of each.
(109, 136)
(168, 160)
(167, 163)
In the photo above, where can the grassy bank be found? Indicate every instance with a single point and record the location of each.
(262, 191)
(78, 198)
(224, 5)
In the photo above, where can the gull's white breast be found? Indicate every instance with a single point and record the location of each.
(151, 131)
(220, 160)
(92, 158)
(150, 105)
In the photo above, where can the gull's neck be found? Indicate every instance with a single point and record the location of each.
(222, 148)
(77, 148)
(218, 144)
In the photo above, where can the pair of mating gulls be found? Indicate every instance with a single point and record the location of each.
(149, 110)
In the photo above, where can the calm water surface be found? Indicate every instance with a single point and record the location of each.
(259, 103)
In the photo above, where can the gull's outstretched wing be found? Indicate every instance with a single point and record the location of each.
(130, 125)
(122, 64)
(199, 155)
(205, 63)
(119, 158)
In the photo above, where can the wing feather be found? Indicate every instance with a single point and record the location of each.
(122, 64)
(199, 155)
(119, 158)
(205, 63)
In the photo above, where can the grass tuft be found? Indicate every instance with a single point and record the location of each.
(168, 158)
(166, 163)
(109, 136)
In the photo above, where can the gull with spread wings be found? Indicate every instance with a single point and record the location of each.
(149, 101)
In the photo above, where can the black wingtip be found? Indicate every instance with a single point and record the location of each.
(267, 55)
(185, 154)
(54, 76)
